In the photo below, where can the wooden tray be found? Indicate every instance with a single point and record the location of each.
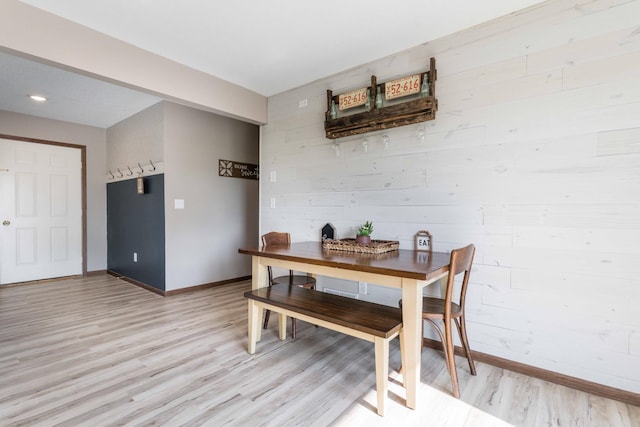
(350, 245)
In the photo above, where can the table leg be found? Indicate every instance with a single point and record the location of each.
(443, 287)
(259, 273)
(403, 355)
(412, 339)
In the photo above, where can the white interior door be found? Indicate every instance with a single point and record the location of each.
(40, 211)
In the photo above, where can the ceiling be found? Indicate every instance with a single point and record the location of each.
(70, 97)
(266, 46)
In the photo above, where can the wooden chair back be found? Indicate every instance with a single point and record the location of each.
(461, 262)
(276, 238)
(280, 238)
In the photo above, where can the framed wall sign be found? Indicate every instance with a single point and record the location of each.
(424, 241)
(238, 170)
(399, 102)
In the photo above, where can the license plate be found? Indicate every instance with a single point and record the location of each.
(352, 99)
(402, 87)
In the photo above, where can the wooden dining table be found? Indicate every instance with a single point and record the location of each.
(407, 270)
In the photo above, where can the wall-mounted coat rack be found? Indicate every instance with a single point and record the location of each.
(138, 170)
(419, 105)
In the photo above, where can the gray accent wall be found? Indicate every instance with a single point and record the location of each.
(135, 225)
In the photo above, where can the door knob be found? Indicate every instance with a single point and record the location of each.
(5, 222)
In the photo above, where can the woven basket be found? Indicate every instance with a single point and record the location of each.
(350, 245)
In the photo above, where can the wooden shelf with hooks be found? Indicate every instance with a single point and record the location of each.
(386, 117)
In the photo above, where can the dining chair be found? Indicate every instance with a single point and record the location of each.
(303, 281)
(447, 310)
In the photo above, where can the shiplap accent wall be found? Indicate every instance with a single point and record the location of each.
(534, 156)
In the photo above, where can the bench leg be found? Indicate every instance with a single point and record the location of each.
(382, 371)
(255, 317)
(282, 326)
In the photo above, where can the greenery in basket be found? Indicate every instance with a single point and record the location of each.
(366, 229)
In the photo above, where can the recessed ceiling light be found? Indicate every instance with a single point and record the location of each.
(38, 98)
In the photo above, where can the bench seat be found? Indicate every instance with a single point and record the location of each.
(369, 321)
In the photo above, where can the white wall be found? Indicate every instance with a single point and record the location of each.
(137, 139)
(220, 214)
(534, 156)
(95, 140)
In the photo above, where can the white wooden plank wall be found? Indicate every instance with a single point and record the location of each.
(534, 157)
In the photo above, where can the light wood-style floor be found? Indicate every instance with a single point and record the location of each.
(100, 351)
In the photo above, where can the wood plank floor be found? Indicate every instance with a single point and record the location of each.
(100, 351)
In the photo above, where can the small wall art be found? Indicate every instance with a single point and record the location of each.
(424, 241)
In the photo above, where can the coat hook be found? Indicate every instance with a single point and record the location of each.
(130, 171)
(154, 168)
(111, 173)
(120, 172)
(141, 170)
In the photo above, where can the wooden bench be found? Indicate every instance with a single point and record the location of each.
(372, 322)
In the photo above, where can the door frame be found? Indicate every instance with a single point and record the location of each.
(83, 184)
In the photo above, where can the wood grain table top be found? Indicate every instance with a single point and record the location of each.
(401, 263)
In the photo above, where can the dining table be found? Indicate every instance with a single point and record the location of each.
(407, 270)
